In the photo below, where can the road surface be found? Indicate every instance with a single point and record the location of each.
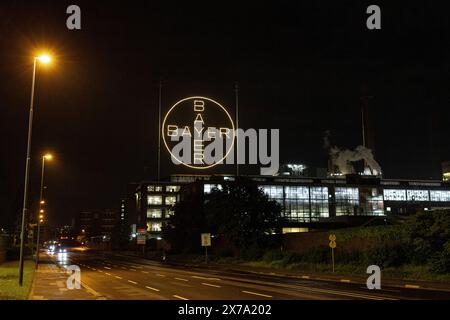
(115, 277)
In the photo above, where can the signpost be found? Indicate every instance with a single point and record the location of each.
(332, 239)
(142, 238)
(206, 242)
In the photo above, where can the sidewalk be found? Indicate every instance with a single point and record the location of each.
(50, 284)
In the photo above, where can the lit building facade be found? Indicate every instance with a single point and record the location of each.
(307, 203)
(446, 171)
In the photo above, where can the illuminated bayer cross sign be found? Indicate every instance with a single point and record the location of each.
(198, 132)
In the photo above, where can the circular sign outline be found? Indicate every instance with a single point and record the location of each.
(210, 100)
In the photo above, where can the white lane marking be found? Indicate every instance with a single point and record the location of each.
(180, 297)
(181, 279)
(107, 273)
(154, 289)
(305, 277)
(133, 282)
(145, 272)
(94, 269)
(118, 277)
(204, 278)
(100, 271)
(132, 270)
(411, 286)
(123, 268)
(107, 268)
(345, 280)
(257, 294)
(160, 275)
(211, 285)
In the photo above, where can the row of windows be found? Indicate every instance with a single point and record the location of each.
(158, 200)
(153, 188)
(417, 195)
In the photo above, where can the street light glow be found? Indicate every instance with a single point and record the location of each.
(44, 58)
(48, 157)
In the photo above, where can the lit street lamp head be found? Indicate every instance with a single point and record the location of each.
(48, 157)
(44, 58)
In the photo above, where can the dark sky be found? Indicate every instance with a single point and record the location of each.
(302, 67)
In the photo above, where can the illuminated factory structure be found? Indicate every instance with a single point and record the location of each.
(307, 203)
(351, 192)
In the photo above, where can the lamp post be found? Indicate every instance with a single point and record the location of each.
(41, 204)
(43, 59)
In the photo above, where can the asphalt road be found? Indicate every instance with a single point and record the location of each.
(115, 277)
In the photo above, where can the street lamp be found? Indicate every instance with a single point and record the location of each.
(43, 59)
(41, 211)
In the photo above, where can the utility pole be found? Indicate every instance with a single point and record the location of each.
(159, 129)
(236, 92)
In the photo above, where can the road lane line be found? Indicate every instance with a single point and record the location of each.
(345, 280)
(179, 297)
(211, 285)
(257, 294)
(146, 272)
(160, 275)
(118, 277)
(154, 289)
(181, 279)
(411, 286)
(305, 277)
(204, 278)
(133, 282)
(107, 273)
(107, 268)
(132, 270)
(100, 271)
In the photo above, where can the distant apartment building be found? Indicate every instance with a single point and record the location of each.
(98, 223)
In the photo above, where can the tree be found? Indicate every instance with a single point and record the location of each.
(186, 224)
(243, 214)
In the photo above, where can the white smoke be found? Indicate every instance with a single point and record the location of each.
(342, 159)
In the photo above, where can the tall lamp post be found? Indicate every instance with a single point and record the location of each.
(41, 206)
(43, 59)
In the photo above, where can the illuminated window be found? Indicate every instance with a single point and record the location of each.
(207, 188)
(154, 213)
(172, 188)
(297, 204)
(154, 226)
(294, 230)
(347, 201)
(372, 203)
(154, 200)
(440, 196)
(274, 193)
(417, 195)
(171, 200)
(394, 195)
(153, 188)
(319, 203)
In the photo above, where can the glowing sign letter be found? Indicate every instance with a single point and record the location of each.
(199, 105)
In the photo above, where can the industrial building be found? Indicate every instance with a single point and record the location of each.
(307, 203)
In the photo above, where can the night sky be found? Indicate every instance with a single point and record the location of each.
(302, 67)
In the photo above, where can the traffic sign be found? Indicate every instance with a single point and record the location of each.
(332, 237)
(206, 239)
(332, 245)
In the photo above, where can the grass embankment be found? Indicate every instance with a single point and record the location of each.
(9, 280)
